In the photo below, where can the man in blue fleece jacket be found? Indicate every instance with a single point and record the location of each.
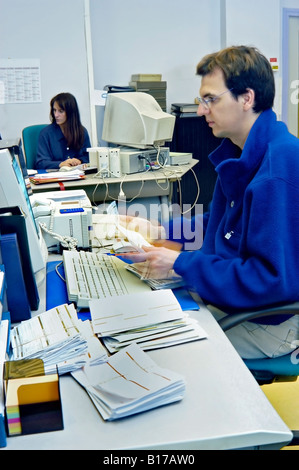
(250, 252)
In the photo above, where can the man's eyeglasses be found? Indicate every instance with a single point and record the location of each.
(207, 103)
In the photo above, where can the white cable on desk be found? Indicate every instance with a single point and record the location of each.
(167, 172)
(57, 271)
(67, 242)
(107, 195)
(98, 174)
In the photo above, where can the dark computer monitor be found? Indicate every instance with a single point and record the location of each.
(15, 190)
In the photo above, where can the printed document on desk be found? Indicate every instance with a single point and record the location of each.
(58, 338)
(152, 319)
(130, 382)
(112, 315)
(57, 176)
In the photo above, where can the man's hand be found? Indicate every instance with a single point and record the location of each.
(150, 230)
(155, 262)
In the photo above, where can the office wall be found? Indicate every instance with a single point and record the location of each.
(52, 31)
(260, 26)
(132, 36)
(289, 4)
(171, 36)
(157, 36)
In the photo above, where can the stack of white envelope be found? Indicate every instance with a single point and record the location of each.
(59, 338)
(129, 383)
(152, 319)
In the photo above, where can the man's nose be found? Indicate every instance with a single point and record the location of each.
(202, 110)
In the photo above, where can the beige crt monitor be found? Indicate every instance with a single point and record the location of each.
(13, 192)
(135, 119)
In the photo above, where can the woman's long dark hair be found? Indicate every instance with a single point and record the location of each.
(73, 129)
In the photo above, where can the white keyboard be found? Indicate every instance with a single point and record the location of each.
(97, 276)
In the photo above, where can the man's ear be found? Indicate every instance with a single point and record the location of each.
(248, 99)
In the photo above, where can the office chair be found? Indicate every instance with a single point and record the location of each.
(267, 370)
(30, 136)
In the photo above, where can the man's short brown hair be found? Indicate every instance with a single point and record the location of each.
(243, 67)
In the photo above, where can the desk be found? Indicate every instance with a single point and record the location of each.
(145, 184)
(223, 408)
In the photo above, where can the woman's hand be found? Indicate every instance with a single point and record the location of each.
(70, 162)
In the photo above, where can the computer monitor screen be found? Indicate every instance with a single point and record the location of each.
(135, 119)
(15, 190)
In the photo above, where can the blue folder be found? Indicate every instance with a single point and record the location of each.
(17, 298)
(56, 291)
(3, 441)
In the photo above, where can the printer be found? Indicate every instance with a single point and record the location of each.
(63, 215)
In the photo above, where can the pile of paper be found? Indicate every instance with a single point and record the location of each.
(59, 338)
(152, 319)
(141, 269)
(130, 382)
(55, 176)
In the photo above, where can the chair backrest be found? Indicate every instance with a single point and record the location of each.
(30, 136)
(266, 370)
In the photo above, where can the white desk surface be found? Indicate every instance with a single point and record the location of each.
(223, 408)
(150, 179)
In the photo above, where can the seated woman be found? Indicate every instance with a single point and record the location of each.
(65, 141)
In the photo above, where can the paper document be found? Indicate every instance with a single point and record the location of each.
(59, 338)
(135, 238)
(170, 334)
(55, 176)
(152, 319)
(138, 310)
(4, 325)
(130, 382)
(141, 271)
